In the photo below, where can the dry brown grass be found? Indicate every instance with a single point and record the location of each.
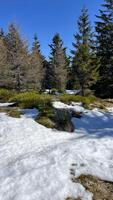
(101, 190)
(69, 198)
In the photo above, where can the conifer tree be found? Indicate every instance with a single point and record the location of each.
(17, 57)
(48, 75)
(104, 28)
(58, 64)
(36, 68)
(2, 34)
(84, 61)
(3, 64)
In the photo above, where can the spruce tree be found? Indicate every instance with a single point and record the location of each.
(17, 57)
(36, 67)
(104, 28)
(2, 34)
(84, 61)
(48, 75)
(4, 71)
(58, 64)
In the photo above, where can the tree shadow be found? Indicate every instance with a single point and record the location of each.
(95, 124)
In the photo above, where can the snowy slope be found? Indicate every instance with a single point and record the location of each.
(35, 162)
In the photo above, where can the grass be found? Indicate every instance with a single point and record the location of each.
(68, 98)
(43, 102)
(47, 122)
(32, 99)
(99, 188)
(14, 113)
(5, 95)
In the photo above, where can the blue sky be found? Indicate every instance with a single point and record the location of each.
(46, 17)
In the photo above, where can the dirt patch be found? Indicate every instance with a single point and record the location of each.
(101, 190)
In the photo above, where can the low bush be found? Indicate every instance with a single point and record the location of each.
(14, 113)
(47, 122)
(32, 99)
(54, 91)
(5, 95)
(47, 111)
(68, 98)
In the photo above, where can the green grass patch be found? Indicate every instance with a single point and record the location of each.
(14, 113)
(68, 98)
(47, 122)
(32, 99)
(5, 95)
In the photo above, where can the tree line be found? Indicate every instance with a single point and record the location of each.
(90, 65)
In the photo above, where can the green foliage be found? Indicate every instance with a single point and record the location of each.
(58, 63)
(54, 91)
(47, 122)
(104, 36)
(14, 113)
(68, 98)
(32, 99)
(47, 111)
(35, 72)
(5, 95)
(84, 62)
(17, 58)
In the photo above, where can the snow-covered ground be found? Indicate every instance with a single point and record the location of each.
(6, 104)
(47, 91)
(35, 162)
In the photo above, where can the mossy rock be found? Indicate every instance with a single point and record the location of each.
(63, 120)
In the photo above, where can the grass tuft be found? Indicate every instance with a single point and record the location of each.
(47, 122)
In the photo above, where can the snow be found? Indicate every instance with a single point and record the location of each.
(35, 162)
(73, 91)
(110, 110)
(6, 104)
(29, 113)
(47, 91)
(77, 107)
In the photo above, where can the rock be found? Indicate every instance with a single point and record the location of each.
(63, 120)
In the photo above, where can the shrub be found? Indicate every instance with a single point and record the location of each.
(32, 99)
(47, 122)
(14, 113)
(47, 111)
(54, 91)
(5, 95)
(68, 98)
(88, 92)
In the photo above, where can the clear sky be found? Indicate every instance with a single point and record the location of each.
(46, 17)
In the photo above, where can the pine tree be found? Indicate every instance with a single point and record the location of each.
(84, 61)
(58, 64)
(17, 57)
(104, 28)
(3, 64)
(2, 33)
(36, 68)
(48, 75)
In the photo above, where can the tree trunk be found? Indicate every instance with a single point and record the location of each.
(83, 90)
